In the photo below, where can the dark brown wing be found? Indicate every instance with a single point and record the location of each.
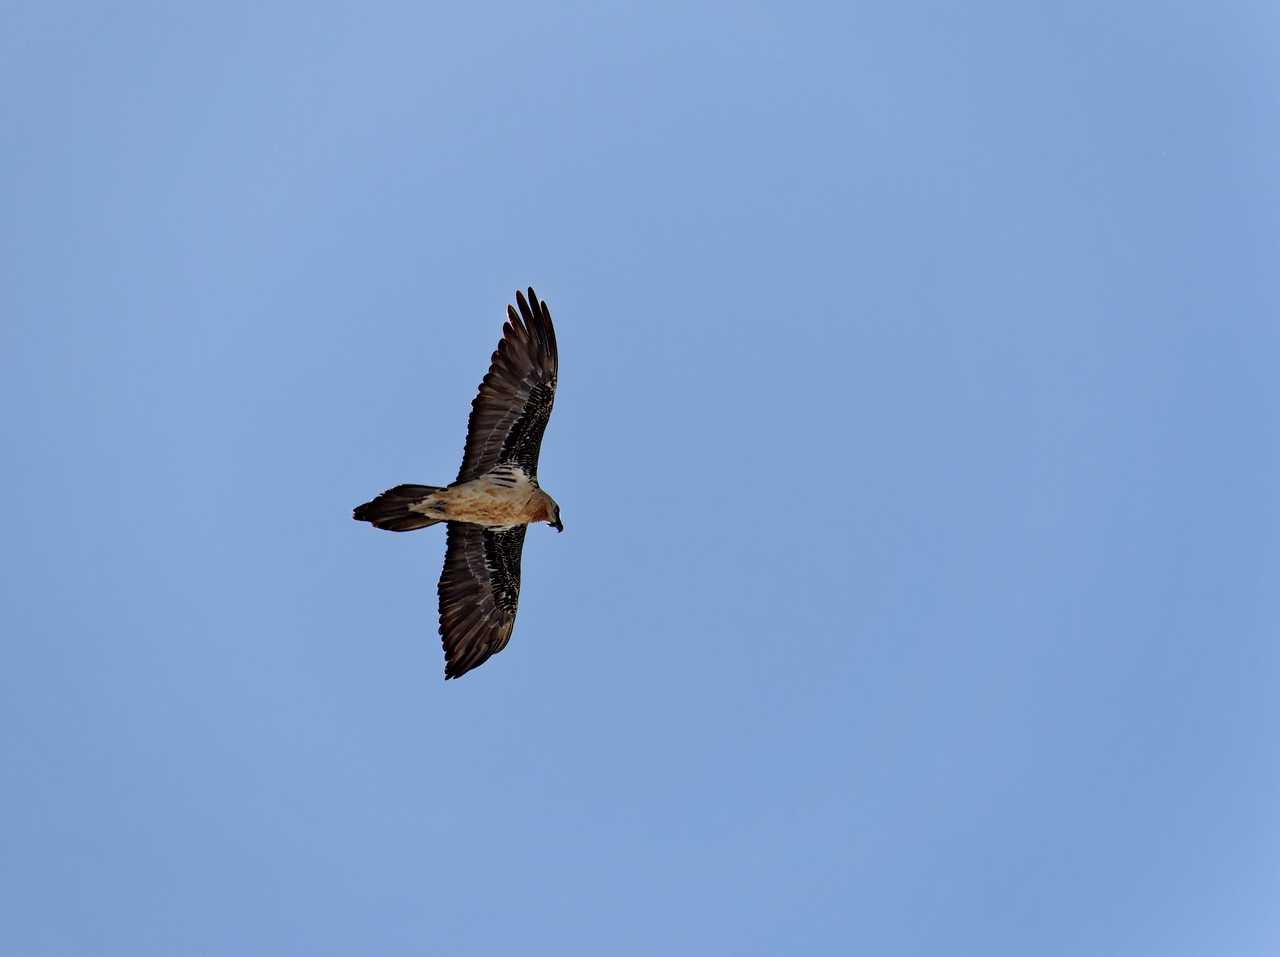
(479, 592)
(510, 414)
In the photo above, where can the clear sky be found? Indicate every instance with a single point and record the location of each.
(917, 445)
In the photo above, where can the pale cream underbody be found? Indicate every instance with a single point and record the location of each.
(505, 496)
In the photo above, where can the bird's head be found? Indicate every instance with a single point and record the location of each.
(546, 510)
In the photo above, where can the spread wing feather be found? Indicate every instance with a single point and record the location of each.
(479, 593)
(510, 414)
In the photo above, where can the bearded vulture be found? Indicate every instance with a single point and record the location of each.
(496, 494)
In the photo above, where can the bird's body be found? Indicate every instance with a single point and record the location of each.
(506, 496)
(495, 497)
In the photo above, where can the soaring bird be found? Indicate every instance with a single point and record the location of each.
(496, 496)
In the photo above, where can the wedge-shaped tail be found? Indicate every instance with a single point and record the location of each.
(390, 510)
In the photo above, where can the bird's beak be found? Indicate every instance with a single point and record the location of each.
(559, 527)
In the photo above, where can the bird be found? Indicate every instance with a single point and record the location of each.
(496, 496)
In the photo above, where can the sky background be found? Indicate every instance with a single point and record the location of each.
(917, 439)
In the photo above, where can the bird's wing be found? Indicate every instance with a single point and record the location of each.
(479, 592)
(510, 414)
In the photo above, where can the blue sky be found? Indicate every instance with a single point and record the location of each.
(916, 441)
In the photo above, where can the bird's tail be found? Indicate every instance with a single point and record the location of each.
(391, 509)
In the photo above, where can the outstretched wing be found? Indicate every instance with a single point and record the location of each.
(479, 592)
(510, 414)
